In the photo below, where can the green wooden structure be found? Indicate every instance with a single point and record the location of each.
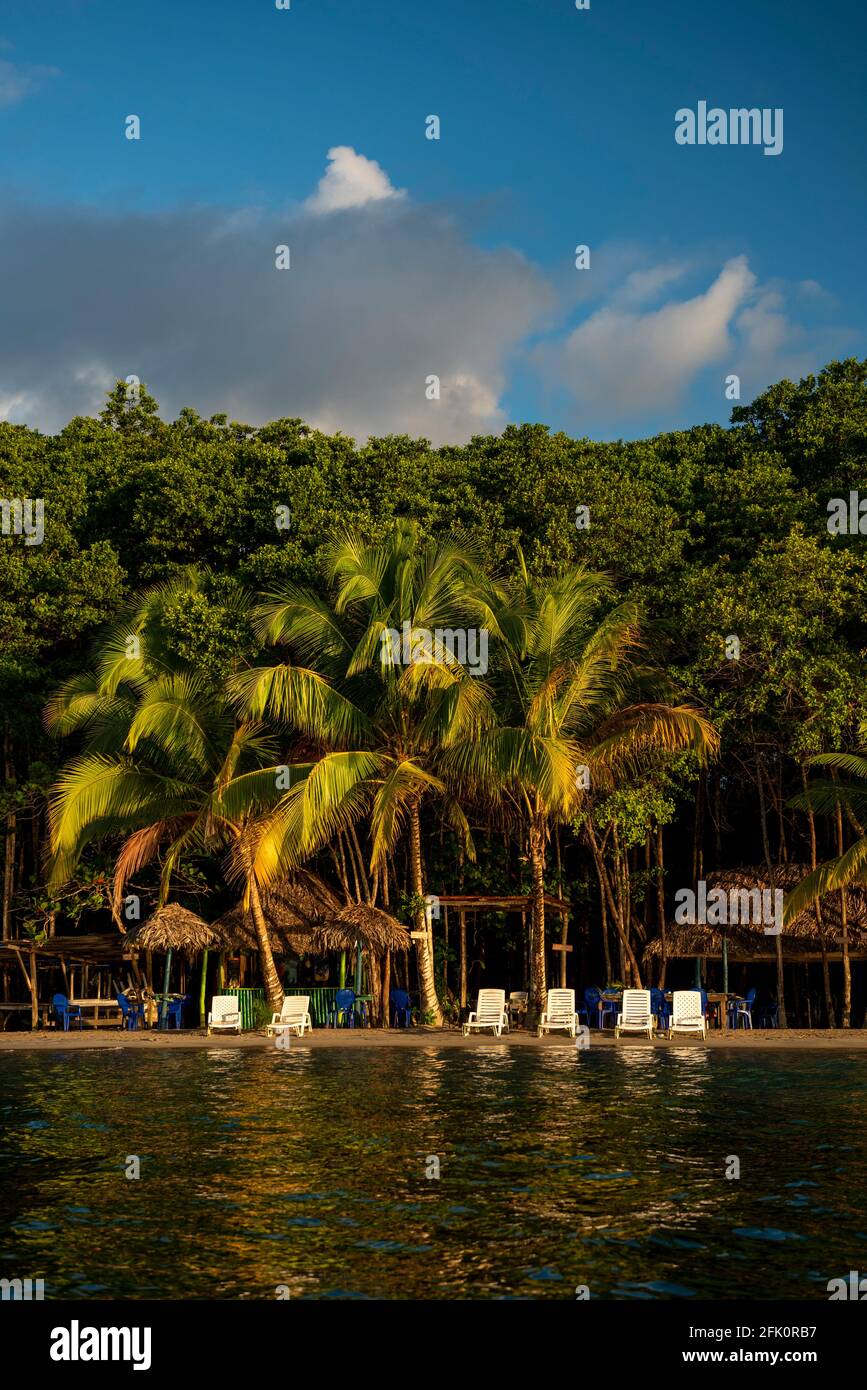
(321, 1002)
(249, 1001)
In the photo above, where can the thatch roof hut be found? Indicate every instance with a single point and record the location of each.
(801, 940)
(175, 928)
(306, 917)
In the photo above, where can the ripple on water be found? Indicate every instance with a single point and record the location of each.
(566, 1173)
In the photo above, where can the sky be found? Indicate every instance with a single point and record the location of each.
(412, 259)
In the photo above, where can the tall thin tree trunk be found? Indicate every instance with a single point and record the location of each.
(564, 916)
(603, 907)
(846, 1019)
(538, 982)
(660, 903)
(830, 1019)
(698, 832)
(270, 978)
(9, 856)
(612, 905)
(430, 1004)
(778, 944)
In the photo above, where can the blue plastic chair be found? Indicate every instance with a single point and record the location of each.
(133, 1014)
(769, 1015)
(65, 1011)
(343, 1008)
(610, 1009)
(742, 1009)
(174, 1012)
(401, 1008)
(660, 1007)
(591, 1005)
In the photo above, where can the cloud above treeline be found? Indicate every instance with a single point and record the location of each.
(382, 293)
(20, 80)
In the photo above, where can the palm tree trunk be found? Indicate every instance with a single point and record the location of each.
(538, 982)
(270, 978)
(660, 901)
(430, 1004)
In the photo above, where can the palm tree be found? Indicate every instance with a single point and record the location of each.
(379, 724)
(850, 866)
(164, 764)
(566, 679)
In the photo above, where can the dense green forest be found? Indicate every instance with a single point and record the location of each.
(753, 608)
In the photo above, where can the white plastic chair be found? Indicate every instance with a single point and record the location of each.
(293, 1017)
(490, 1012)
(635, 1015)
(225, 1014)
(559, 1012)
(686, 1014)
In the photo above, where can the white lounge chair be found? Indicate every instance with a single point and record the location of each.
(559, 1013)
(293, 1017)
(490, 1012)
(686, 1014)
(635, 1015)
(225, 1014)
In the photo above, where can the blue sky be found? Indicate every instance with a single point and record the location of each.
(157, 256)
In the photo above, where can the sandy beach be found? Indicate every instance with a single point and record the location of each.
(793, 1039)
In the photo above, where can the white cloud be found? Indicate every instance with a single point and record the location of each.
(19, 80)
(379, 297)
(350, 181)
(382, 294)
(624, 361)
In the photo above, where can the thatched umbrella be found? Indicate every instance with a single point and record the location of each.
(308, 924)
(174, 928)
(303, 915)
(803, 938)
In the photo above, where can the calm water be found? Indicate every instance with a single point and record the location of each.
(308, 1169)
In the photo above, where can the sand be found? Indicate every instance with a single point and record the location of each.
(362, 1039)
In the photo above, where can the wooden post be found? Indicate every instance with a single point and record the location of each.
(386, 987)
(166, 974)
(564, 937)
(203, 987)
(562, 950)
(31, 983)
(34, 991)
(446, 952)
(463, 921)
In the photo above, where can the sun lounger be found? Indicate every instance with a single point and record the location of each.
(559, 1012)
(293, 1017)
(490, 1012)
(225, 1014)
(635, 1015)
(686, 1013)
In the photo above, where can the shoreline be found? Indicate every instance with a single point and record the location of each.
(794, 1039)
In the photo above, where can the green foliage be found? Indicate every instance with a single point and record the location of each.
(709, 532)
